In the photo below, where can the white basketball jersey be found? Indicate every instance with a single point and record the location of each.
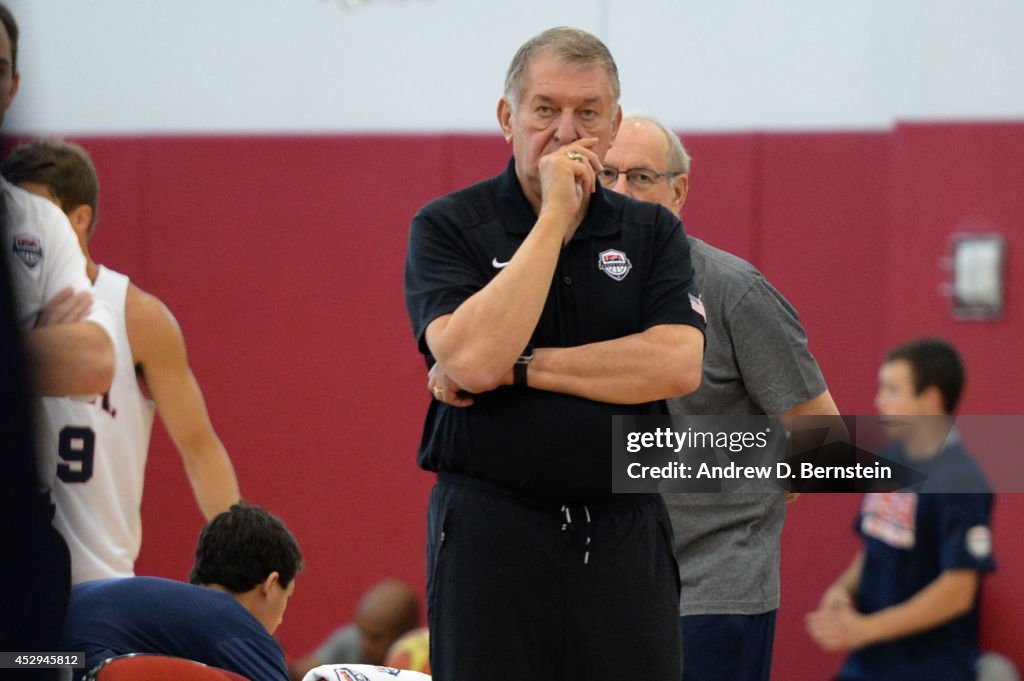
(99, 451)
(45, 258)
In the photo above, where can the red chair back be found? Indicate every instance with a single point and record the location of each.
(144, 667)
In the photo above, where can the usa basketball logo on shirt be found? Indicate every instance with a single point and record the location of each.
(28, 249)
(614, 263)
(890, 517)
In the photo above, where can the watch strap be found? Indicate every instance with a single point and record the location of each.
(519, 369)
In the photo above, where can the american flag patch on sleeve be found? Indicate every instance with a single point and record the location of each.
(698, 306)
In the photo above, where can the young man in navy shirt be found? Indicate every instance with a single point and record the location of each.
(243, 576)
(907, 605)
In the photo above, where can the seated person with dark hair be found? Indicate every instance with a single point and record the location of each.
(243, 576)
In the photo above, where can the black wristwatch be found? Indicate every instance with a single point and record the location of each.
(519, 369)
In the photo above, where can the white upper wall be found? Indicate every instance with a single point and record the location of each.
(143, 66)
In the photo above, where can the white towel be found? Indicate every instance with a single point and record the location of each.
(361, 672)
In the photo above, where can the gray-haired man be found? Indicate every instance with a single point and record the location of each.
(545, 306)
(756, 362)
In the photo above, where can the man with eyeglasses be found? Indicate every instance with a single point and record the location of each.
(756, 362)
(545, 306)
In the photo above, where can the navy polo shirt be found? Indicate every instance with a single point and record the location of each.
(626, 269)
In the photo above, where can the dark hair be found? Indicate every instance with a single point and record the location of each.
(64, 168)
(240, 547)
(12, 32)
(934, 362)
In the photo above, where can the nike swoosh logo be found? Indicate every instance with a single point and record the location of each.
(499, 265)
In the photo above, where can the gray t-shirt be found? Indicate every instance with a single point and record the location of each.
(756, 362)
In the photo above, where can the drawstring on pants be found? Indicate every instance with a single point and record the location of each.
(567, 524)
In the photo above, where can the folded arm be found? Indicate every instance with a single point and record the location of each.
(479, 342)
(663, 361)
(70, 359)
(69, 353)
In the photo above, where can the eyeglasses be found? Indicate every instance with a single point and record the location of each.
(641, 178)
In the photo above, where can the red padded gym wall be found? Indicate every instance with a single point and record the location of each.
(282, 259)
(722, 205)
(950, 179)
(822, 239)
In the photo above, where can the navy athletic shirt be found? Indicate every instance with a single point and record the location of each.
(626, 269)
(110, 617)
(910, 539)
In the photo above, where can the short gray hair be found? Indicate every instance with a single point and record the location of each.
(573, 46)
(678, 158)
